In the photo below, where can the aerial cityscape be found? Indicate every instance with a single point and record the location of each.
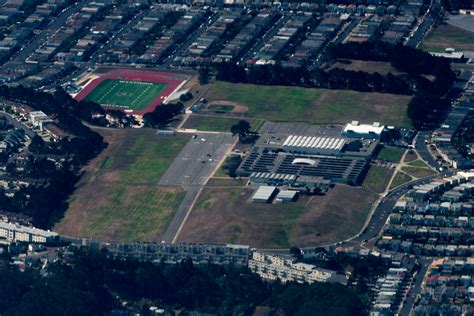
(237, 157)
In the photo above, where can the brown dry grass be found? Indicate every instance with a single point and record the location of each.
(366, 66)
(227, 215)
(410, 156)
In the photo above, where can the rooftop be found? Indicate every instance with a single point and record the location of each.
(356, 127)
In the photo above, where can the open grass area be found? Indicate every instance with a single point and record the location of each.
(118, 198)
(393, 154)
(377, 179)
(418, 163)
(320, 106)
(400, 178)
(448, 36)
(369, 66)
(418, 172)
(126, 94)
(227, 215)
(216, 123)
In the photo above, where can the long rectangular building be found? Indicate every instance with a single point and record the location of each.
(313, 144)
(15, 232)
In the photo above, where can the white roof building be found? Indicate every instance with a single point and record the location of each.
(286, 196)
(264, 194)
(357, 130)
(313, 144)
(15, 232)
(273, 268)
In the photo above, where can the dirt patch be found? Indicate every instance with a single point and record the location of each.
(366, 66)
(228, 215)
(238, 107)
(411, 156)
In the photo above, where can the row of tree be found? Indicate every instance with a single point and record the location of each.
(317, 78)
(45, 201)
(92, 284)
(424, 76)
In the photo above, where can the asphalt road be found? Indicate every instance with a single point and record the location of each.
(381, 213)
(191, 169)
(180, 50)
(116, 35)
(197, 160)
(53, 26)
(181, 213)
(383, 210)
(17, 124)
(423, 150)
(273, 30)
(415, 288)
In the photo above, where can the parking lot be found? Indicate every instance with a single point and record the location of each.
(196, 162)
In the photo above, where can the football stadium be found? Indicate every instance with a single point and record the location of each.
(134, 91)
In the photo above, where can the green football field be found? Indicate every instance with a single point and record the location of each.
(126, 94)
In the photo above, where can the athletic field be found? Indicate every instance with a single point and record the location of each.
(126, 94)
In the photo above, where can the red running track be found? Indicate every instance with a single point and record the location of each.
(171, 79)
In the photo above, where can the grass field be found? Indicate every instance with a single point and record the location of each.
(377, 179)
(400, 178)
(126, 94)
(418, 163)
(393, 154)
(318, 106)
(118, 198)
(226, 215)
(445, 36)
(217, 123)
(418, 172)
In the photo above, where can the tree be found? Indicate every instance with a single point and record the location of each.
(242, 128)
(231, 164)
(163, 114)
(203, 75)
(296, 252)
(36, 145)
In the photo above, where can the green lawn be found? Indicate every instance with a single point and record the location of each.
(377, 179)
(393, 154)
(140, 213)
(418, 172)
(218, 123)
(445, 36)
(400, 178)
(286, 226)
(126, 94)
(277, 103)
(119, 197)
(146, 161)
(418, 163)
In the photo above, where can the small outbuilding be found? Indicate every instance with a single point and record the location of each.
(285, 196)
(264, 194)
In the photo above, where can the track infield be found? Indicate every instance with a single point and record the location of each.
(134, 91)
(125, 94)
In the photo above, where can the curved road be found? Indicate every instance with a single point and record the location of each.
(423, 150)
(378, 217)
